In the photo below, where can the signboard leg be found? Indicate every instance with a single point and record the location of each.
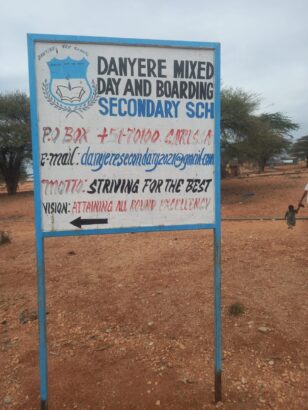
(42, 321)
(217, 311)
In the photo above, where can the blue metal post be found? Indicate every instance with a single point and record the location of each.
(42, 321)
(217, 235)
(39, 237)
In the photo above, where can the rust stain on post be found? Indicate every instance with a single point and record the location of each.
(217, 386)
(44, 405)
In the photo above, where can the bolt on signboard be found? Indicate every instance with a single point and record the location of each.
(125, 139)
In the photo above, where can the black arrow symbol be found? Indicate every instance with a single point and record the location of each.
(78, 222)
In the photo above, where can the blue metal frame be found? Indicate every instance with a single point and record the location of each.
(40, 234)
(129, 230)
(32, 38)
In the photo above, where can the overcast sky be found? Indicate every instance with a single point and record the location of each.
(264, 43)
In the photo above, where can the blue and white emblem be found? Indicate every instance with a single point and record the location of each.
(68, 88)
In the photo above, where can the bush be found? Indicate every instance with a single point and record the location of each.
(4, 237)
(236, 309)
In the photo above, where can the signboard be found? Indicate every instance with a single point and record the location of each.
(125, 138)
(126, 135)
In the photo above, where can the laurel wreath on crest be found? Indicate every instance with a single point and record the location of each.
(70, 110)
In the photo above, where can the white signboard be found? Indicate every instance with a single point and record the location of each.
(126, 135)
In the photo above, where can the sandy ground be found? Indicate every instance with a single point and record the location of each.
(130, 317)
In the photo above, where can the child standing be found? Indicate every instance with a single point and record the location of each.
(290, 216)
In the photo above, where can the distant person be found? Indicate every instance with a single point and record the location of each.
(290, 216)
(228, 169)
(303, 197)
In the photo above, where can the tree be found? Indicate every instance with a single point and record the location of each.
(15, 137)
(300, 148)
(248, 136)
(269, 135)
(237, 107)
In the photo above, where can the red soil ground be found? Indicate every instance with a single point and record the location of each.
(130, 317)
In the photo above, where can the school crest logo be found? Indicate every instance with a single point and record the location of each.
(68, 88)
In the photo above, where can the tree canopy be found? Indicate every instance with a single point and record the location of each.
(237, 108)
(300, 148)
(248, 136)
(15, 137)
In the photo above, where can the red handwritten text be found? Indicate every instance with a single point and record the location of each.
(68, 135)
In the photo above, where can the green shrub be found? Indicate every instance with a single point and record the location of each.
(236, 309)
(4, 237)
